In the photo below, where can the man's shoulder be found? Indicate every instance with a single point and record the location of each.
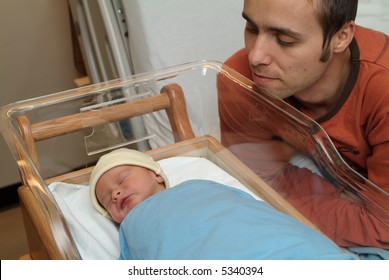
(373, 46)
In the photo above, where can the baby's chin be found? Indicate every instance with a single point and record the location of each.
(123, 213)
(119, 217)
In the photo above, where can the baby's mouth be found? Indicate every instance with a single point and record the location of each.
(124, 202)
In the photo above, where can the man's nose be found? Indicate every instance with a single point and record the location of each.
(260, 54)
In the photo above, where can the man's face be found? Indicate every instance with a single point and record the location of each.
(284, 42)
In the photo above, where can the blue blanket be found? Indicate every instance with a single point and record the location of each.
(369, 253)
(205, 220)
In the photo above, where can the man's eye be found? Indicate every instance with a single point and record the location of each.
(285, 41)
(285, 44)
(251, 29)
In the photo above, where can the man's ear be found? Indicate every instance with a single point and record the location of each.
(344, 37)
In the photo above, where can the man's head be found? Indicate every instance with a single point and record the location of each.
(123, 178)
(292, 44)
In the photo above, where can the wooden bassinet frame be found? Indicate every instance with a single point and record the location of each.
(42, 242)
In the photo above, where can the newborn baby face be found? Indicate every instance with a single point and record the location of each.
(123, 187)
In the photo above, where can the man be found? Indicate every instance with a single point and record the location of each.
(311, 54)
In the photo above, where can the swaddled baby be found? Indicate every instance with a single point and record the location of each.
(197, 219)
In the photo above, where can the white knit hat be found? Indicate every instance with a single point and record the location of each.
(118, 157)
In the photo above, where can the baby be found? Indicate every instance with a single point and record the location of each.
(122, 179)
(197, 219)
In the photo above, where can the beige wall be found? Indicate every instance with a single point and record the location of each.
(36, 58)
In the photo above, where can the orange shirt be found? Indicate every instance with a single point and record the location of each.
(358, 127)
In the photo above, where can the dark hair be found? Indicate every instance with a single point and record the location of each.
(333, 15)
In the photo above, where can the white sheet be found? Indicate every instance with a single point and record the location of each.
(97, 237)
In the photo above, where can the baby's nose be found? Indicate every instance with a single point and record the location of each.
(115, 194)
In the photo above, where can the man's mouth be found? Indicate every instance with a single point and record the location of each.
(262, 78)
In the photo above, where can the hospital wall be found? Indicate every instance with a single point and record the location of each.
(36, 58)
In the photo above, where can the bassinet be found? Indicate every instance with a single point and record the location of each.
(106, 116)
